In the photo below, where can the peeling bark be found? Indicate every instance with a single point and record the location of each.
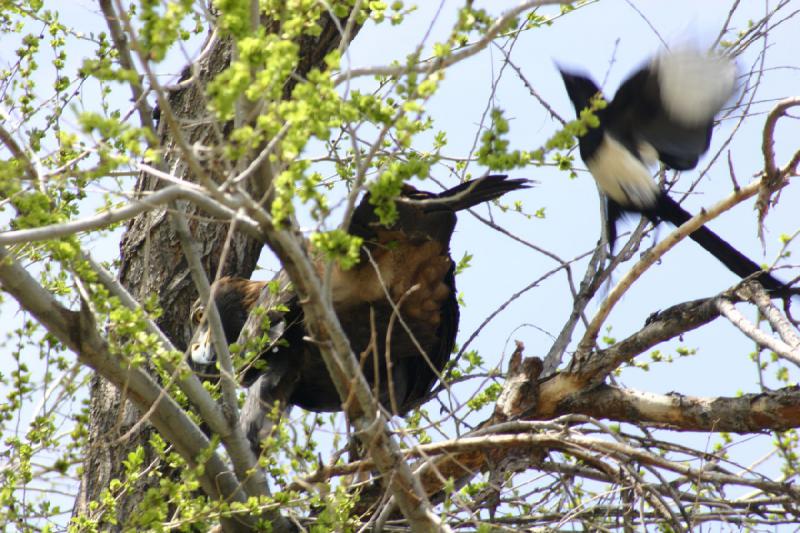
(750, 413)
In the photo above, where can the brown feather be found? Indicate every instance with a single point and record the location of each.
(410, 263)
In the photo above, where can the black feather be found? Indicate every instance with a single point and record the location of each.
(649, 110)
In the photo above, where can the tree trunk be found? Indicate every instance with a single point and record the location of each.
(152, 263)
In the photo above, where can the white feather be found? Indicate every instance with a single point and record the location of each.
(623, 176)
(694, 86)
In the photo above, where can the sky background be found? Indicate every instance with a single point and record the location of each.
(608, 39)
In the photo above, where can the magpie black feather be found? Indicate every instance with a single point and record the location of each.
(664, 111)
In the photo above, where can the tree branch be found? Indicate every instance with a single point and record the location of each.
(227, 374)
(589, 371)
(768, 140)
(755, 293)
(77, 331)
(144, 203)
(762, 338)
(750, 413)
(441, 63)
(774, 177)
(587, 343)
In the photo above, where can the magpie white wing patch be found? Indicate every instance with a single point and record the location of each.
(623, 176)
(694, 86)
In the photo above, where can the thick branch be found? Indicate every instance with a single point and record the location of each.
(751, 413)
(138, 206)
(586, 372)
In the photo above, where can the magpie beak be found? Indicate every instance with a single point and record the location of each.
(663, 112)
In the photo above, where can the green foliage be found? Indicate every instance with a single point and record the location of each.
(263, 62)
(249, 355)
(387, 187)
(163, 25)
(414, 425)
(338, 246)
(35, 444)
(335, 511)
(494, 152)
(463, 263)
(485, 397)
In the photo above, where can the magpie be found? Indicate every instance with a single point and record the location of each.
(663, 112)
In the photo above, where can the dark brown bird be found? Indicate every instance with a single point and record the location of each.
(401, 295)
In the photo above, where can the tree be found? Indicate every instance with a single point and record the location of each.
(273, 127)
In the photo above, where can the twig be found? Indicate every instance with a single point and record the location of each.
(782, 349)
(588, 340)
(441, 63)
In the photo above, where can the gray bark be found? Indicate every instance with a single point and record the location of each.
(152, 263)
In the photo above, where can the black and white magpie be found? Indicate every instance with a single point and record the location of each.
(664, 111)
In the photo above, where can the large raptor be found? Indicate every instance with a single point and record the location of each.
(397, 306)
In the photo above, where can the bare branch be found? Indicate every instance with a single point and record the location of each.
(441, 63)
(587, 342)
(750, 413)
(755, 293)
(660, 327)
(783, 350)
(574, 442)
(774, 177)
(768, 143)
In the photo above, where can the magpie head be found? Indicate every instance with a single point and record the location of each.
(580, 89)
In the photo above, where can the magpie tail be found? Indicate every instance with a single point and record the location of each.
(669, 210)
